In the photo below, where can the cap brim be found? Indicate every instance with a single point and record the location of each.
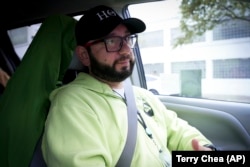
(134, 25)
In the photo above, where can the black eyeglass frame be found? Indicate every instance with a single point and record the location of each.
(122, 39)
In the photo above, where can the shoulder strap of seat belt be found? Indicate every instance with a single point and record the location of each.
(128, 151)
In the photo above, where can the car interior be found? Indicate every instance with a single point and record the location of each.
(50, 62)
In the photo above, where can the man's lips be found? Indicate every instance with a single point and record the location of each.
(123, 62)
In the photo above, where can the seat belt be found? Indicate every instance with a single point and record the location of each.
(128, 151)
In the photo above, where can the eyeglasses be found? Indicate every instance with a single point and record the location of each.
(115, 43)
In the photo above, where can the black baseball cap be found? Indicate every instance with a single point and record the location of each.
(99, 21)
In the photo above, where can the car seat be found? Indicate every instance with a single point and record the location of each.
(74, 68)
(25, 101)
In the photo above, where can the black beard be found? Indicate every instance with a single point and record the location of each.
(108, 73)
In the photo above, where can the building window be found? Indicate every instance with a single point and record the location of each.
(151, 39)
(19, 36)
(232, 29)
(154, 69)
(232, 68)
(177, 33)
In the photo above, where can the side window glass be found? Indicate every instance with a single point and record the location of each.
(202, 54)
(22, 37)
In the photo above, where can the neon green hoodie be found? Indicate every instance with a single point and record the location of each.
(87, 126)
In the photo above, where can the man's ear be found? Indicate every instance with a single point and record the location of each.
(82, 55)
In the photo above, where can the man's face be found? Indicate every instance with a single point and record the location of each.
(112, 66)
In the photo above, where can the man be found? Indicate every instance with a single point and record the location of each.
(4, 78)
(87, 121)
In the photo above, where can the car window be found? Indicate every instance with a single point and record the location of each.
(210, 65)
(22, 37)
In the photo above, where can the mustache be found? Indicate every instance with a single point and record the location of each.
(124, 57)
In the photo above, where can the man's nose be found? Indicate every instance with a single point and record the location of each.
(125, 47)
